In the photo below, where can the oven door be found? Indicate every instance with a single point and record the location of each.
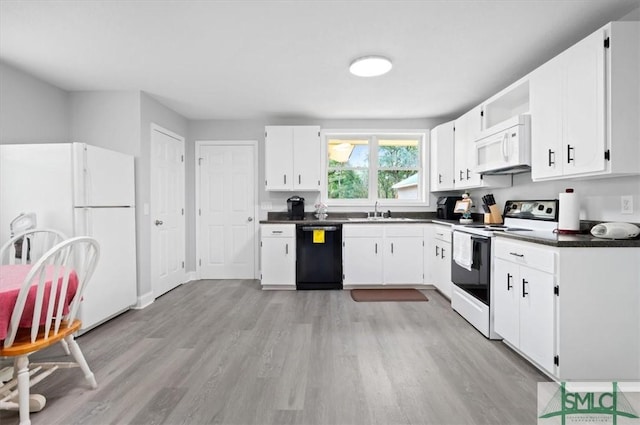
(477, 281)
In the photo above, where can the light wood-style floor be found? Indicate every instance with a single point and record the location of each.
(225, 352)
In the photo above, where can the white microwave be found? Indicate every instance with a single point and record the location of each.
(508, 151)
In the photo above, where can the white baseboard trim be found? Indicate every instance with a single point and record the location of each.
(144, 301)
(193, 275)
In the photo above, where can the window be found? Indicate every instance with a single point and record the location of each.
(372, 167)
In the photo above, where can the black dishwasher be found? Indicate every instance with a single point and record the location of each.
(319, 256)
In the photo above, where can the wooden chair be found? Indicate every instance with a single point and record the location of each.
(27, 247)
(53, 321)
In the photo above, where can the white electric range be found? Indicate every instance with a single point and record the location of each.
(471, 265)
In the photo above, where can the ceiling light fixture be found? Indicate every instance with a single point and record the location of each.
(370, 66)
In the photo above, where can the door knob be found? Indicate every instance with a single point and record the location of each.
(159, 222)
(250, 219)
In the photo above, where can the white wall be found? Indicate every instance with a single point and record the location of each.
(31, 110)
(109, 119)
(599, 198)
(254, 130)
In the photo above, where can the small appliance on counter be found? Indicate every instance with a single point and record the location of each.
(295, 208)
(445, 207)
(615, 230)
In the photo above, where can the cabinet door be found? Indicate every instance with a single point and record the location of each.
(584, 106)
(442, 157)
(506, 300)
(546, 120)
(535, 289)
(278, 256)
(362, 261)
(442, 267)
(403, 261)
(306, 158)
(467, 129)
(428, 259)
(278, 158)
(445, 258)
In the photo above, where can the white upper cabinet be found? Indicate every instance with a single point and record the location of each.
(442, 157)
(585, 107)
(467, 130)
(292, 158)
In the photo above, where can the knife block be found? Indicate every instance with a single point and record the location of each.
(493, 216)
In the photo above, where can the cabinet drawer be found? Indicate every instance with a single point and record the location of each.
(278, 230)
(527, 254)
(442, 233)
(362, 231)
(399, 230)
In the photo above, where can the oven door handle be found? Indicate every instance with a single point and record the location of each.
(475, 250)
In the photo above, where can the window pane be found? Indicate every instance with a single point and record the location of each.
(348, 153)
(348, 184)
(398, 184)
(398, 153)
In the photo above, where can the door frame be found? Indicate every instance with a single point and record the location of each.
(181, 139)
(254, 145)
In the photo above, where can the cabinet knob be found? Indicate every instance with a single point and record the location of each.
(159, 222)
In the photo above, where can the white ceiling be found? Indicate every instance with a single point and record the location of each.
(261, 59)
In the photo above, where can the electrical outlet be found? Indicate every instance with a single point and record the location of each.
(626, 204)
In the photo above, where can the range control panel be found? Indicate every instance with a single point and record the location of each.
(546, 210)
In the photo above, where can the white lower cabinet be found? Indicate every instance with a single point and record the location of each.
(379, 254)
(523, 313)
(362, 254)
(574, 312)
(438, 259)
(278, 256)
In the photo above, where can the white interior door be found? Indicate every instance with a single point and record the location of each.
(167, 211)
(226, 211)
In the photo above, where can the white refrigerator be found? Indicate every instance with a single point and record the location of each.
(81, 190)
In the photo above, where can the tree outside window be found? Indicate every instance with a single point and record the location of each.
(374, 167)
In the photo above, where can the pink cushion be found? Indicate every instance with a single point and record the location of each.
(11, 279)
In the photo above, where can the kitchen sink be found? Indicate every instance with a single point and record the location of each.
(379, 219)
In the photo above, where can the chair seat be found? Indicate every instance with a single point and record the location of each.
(23, 345)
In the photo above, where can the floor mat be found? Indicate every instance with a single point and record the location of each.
(366, 295)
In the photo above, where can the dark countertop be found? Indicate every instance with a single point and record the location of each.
(330, 221)
(584, 240)
(344, 218)
(570, 241)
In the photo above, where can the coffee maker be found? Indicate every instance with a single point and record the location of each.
(445, 207)
(295, 208)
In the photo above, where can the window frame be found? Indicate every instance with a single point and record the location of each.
(373, 136)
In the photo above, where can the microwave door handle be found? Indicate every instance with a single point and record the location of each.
(505, 145)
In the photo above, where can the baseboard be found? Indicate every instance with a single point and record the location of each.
(144, 301)
(193, 275)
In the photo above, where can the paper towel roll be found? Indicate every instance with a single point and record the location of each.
(568, 212)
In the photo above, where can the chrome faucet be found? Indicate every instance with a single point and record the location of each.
(375, 209)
